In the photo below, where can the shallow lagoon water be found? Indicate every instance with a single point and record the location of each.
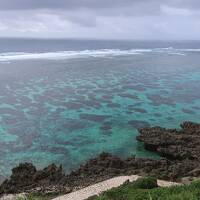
(69, 110)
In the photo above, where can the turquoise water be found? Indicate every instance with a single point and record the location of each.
(69, 110)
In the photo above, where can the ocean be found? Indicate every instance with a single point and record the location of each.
(66, 101)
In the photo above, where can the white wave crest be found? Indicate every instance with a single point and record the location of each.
(62, 55)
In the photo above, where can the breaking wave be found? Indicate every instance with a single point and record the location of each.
(62, 55)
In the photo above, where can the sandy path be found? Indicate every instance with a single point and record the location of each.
(98, 188)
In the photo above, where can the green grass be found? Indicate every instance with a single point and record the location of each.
(139, 191)
(142, 189)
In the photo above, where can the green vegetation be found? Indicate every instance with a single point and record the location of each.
(142, 189)
(146, 189)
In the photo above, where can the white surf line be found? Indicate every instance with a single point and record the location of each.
(7, 57)
(63, 55)
(98, 188)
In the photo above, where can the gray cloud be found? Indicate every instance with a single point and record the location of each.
(92, 4)
(118, 19)
(62, 4)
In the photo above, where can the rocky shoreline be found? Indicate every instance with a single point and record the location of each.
(180, 150)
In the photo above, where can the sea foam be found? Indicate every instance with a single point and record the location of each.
(62, 55)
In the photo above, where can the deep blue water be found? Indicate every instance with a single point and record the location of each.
(65, 101)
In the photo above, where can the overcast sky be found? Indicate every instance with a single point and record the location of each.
(101, 19)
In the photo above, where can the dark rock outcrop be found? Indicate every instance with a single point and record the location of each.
(171, 143)
(25, 177)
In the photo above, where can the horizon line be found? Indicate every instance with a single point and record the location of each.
(102, 39)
